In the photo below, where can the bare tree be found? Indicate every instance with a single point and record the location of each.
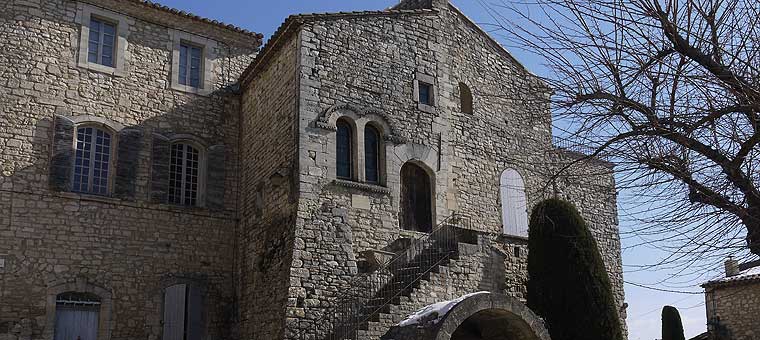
(670, 91)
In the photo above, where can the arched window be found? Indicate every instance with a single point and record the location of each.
(92, 161)
(416, 199)
(514, 210)
(183, 313)
(184, 174)
(465, 97)
(372, 145)
(344, 150)
(77, 316)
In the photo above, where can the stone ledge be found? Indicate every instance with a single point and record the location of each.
(362, 186)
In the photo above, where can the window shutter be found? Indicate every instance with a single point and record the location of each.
(174, 312)
(215, 177)
(63, 154)
(513, 204)
(159, 182)
(194, 313)
(130, 143)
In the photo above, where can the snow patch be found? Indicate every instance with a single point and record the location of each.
(434, 312)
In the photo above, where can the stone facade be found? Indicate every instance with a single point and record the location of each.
(126, 248)
(277, 236)
(733, 303)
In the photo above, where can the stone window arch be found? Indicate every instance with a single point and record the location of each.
(345, 145)
(465, 98)
(514, 210)
(78, 307)
(416, 198)
(374, 154)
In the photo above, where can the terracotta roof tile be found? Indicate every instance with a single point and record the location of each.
(189, 15)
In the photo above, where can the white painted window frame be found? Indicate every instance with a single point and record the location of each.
(121, 52)
(208, 64)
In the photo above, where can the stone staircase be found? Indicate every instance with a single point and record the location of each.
(414, 278)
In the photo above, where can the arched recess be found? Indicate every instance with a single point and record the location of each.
(417, 197)
(490, 316)
(465, 98)
(345, 149)
(514, 209)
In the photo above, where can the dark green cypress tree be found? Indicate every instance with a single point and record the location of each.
(672, 328)
(568, 285)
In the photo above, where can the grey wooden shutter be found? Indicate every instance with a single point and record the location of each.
(174, 312)
(62, 159)
(514, 210)
(194, 313)
(215, 177)
(159, 182)
(130, 143)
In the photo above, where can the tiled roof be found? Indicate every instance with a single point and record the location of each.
(747, 275)
(189, 15)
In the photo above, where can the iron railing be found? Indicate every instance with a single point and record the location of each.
(370, 294)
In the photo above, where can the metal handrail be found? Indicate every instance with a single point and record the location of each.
(369, 293)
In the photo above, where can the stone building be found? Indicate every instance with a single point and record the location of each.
(165, 176)
(733, 303)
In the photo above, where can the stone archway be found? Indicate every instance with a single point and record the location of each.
(480, 316)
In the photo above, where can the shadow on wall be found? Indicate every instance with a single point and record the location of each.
(130, 240)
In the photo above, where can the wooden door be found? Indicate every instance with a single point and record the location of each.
(416, 199)
(76, 323)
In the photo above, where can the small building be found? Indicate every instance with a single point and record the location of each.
(733, 303)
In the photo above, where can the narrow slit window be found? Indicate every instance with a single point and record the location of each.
(465, 97)
(371, 154)
(102, 43)
(190, 65)
(344, 150)
(184, 174)
(92, 161)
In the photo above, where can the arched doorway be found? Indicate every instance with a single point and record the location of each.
(416, 198)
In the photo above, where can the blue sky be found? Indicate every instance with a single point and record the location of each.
(644, 304)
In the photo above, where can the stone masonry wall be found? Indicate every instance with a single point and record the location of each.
(364, 68)
(127, 249)
(732, 309)
(268, 196)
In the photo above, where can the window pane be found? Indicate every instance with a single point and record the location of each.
(183, 64)
(425, 94)
(343, 153)
(82, 160)
(94, 41)
(101, 163)
(195, 66)
(109, 43)
(183, 175)
(371, 154)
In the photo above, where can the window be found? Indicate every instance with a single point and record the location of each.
(416, 199)
(102, 44)
(76, 316)
(371, 154)
(465, 98)
(190, 58)
(103, 40)
(426, 94)
(514, 211)
(183, 174)
(193, 59)
(344, 150)
(183, 313)
(92, 161)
